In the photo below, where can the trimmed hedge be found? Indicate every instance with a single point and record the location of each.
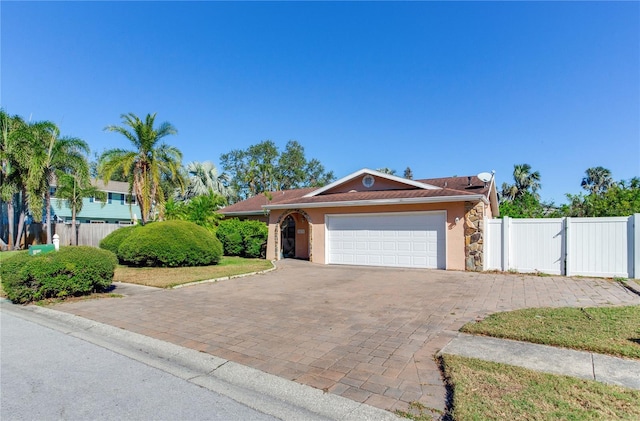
(72, 271)
(170, 244)
(242, 238)
(112, 241)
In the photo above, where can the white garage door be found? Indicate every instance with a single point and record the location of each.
(389, 239)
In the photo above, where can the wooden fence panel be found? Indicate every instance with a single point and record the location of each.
(88, 234)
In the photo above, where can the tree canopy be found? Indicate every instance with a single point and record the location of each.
(147, 165)
(525, 181)
(605, 197)
(263, 168)
(33, 156)
(203, 179)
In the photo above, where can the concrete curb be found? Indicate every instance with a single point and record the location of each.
(261, 391)
(226, 278)
(548, 359)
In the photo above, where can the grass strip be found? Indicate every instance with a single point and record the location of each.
(7, 254)
(490, 391)
(169, 277)
(606, 330)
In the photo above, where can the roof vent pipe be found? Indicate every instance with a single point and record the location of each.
(469, 180)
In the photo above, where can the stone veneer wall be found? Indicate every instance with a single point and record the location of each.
(473, 236)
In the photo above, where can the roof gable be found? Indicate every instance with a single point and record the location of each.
(355, 182)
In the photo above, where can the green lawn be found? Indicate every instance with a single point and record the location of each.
(5, 254)
(484, 390)
(169, 277)
(489, 391)
(607, 330)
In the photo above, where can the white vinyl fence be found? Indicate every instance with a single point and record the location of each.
(606, 247)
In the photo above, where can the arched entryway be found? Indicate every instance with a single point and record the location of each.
(288, 237)
(295, 235)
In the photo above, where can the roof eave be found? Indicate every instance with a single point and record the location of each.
(372, 172)
(380, 202)
(243, 213)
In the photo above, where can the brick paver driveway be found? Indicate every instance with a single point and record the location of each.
(368, 334)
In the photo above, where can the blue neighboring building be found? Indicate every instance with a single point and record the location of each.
(118, 208)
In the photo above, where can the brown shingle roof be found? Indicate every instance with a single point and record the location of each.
(377, 195)
(477, 186)
(450, 186)
(254, 204)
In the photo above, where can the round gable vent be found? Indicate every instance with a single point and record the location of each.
(368, 181)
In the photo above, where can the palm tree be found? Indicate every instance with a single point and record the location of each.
(73, 188)
(145, 166)
(12, 175)
(597, 180)
(204, 179)
(524, 181)
(51, 156)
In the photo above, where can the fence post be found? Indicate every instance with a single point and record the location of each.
(505, 243)
(634, 271)
(567, 258)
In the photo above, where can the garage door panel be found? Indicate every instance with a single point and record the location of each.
(405, 246)
(389, 246)
(400, 239)
(420, 246)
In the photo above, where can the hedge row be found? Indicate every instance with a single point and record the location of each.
(164, 244)
(242, 238)
(72, 271)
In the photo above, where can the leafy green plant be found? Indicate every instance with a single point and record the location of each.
(201, 210)
(112, 241)
(242, 238)
(72, 271)
(170, 244)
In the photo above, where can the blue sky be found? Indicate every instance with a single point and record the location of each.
(445, 88)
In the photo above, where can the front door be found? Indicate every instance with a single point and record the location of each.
(288, 237)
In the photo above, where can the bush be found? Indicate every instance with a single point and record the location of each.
(72, 271)
(172, 244)
(242, 238)
(112, 241)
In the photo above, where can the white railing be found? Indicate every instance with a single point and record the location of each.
(606, 247)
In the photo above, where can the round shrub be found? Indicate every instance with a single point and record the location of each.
(254, 237)
(228, 232)
(112, 241)
(172, 244)
(72, 271)
(242, 238)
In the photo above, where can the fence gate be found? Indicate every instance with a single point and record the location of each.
(605, 247)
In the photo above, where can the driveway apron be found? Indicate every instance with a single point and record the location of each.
(368, 334)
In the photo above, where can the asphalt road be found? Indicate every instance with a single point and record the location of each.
(48, 375)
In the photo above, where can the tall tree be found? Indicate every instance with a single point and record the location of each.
(51, 156)
(203, 178)
(72, 189)
(13, 155)
(620, 199)
(525, 181)
(408, 174)
(597, 180)
(263, 168)
(146, 165)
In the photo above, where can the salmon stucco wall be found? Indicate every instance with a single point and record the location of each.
(455, 233)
